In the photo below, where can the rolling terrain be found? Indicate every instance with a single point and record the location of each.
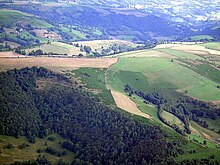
(168, 73)
(101, 82)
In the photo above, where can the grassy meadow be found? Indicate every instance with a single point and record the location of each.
(160, 73)
(30, 152)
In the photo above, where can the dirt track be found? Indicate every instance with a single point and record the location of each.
(125, 103)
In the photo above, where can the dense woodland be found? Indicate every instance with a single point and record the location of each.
(96, 133)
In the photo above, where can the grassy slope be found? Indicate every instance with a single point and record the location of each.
(30, 153)
(180, 54)
(212, 45)
(200, 152)
(95, 79)
(172, 119)
(58, 47)
(200, 37)
(11, 17)
(163, 74)
(206, 70)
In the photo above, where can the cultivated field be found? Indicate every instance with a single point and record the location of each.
(58, 47)
(10, 55)
(144, 53)
(191, 47)
(43, 33)
(56, 64)
(125, 103)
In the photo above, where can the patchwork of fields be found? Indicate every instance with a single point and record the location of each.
(166, 69)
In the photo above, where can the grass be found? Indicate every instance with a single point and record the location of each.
(146, 108)
(201, 152)
(11, 17)
(73, 33)
(172, 119)
(212, 45)
(180, 54)
(104, 44)
(201, 37)
(97, 32)
(95, 79)
(213, 124)
(164, 74)
(118, 79)
(200, 130)
(58, 47)
(207, 71)
(125, 37)
(30, 153)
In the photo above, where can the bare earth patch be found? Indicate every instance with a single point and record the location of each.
(125, 103)
(56, 64)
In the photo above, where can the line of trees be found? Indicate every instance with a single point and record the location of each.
(183, 107)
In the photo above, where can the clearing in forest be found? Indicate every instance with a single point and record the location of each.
(125, 103)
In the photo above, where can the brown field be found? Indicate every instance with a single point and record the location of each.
(144, 53)
(56, 64)
(189, 47)
(10, 54)
(46, 34)
(12, 44)
(98, 44)
(125, 103)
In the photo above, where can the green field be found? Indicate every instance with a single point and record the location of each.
(206, 70)
(201, 37)
(11, 17)
(162, 74)
(146, 108)
(57, 47)
(94, 79)
(213, 124)
(200, 152)
(212, 45)
(172, 119)
(74, 33)
(180, 54)
(30, 152)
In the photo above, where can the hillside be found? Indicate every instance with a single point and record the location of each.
(109, 82)
(76, 115)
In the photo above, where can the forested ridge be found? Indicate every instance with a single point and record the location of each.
(96, 133)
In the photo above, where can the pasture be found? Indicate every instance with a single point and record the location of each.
(30, 153)
(104, 44)
(58, 47)
(187, 47)
(172, 119)
(143, 53)
(162, 74)
(11, 17)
